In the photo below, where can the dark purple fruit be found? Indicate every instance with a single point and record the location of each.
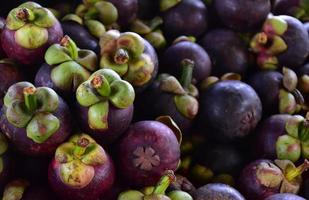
(227, 51)
(127, 11)
(66, 67)
(81, 169)
(104, 106)
(23, 190)
(2, 24)
(36, 120)
(131, 56)
(217, 191)
(147, 9)
(29, 31)
(283, 42)
(305, 190)
(284, 196)
(242, 15)
(9, 75)
(295, 8)
(146, 151)
(188, 17)
(267, 134)
(6, 162)
(179, 51)
(229, 110)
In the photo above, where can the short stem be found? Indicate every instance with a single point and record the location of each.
(30, 98)
(81, 146)
(98, 83)
(292, 174)
(25, 15)
(121, 56)
(164, 182)
(67, 42)
(262, 38)
(187, 70)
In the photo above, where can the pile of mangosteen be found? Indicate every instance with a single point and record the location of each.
(154, 100)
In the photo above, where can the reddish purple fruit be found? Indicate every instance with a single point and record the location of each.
(81, 169)
(36, 120)
(127, 11)
(29, 31)
(146, 151)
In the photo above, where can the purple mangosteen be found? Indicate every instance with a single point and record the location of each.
(6, 162)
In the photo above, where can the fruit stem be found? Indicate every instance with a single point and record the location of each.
(98, 83)
(25, 15)
(81, 146)
(164, 182)
(187, 70)
(67, 42)
(30, 98)
(293, 173)
(121, 56)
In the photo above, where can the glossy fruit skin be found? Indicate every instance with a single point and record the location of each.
(147, 134)
(250, 186)
(189, 18)
(267, 134)
(267, 85)
(229, 110)
(118, 122)
(242, 15)
(101, 183)
(285, 7)
(18, 136)
(9, 75)
(29, 56)
(80, 36)
(227, 51)
(172, 57)
(284, 196)
(297, 40)
(127, 11)
(217, 191)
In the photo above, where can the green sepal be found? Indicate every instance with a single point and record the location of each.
(288, 148)
(15, 92)
(290, 79)
(108, 42)
(95, 27)
(94, 155)
(69, 75)
(122, 94)
(14, 190)
(98, 116)
(1, 165)
(74, 18)
(109, 74)
(278, 45)
(17, 115)
(170, 84)
(156, 39)
(3, 145)
(107, 12)
(44, 18)
(12, 22)
(42, 127)
(287, 102)
(64, 153)
(48, 99)
(303, 133)
(101, 85)
(31, 37)
(292, 125)
(131, 195)
(305, 149)
(57, 54)
(30, 5)
(132, 42)
(276, 25)
(108, 64)
(186, 105)
(88, 59)
(140, 27)
(86, 95)
(168, 4)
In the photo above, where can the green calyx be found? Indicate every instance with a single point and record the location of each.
(179, 195)
(30, 21)
(102, 88)
(77, 159)
(168, 4)
(32, 108)
(95, 27)
(70, 65)
(3, 145)
(124, 53)
(295, 144)
(302, 11)
(269, 43)
(15, 190)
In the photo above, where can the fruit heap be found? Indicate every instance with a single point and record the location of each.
(154, 100)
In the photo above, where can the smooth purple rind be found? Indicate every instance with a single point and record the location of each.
(7, 171)
(127, 11)
(285, 196)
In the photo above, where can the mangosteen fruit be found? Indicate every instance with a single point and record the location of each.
(131, 56)
(66, 67)
(147, 150)
(147, 9)
(283, 41)
(295, 8)
(36, 120)
(104, 105)
(127, 11)
(29, 31)
(174, 55)
(182, 184)
(217, 191)
(186, 17)
(229, 110)
(303, 78)
(228, 53)
(284, 196)
(2, 24)
(81, 169)
(6, 162)
(242, 15)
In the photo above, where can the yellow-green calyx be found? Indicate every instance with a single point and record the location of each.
(168, 4)
(77, 159)
(104, 87)
(269, 43)
(70, 65)
(30, 21)
(185, 93)
(15, 190)
(3, 149)
(295, 144)
(124, 53)
(32, 108)
(156, 193)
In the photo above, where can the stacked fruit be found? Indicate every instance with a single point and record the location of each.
(155, 100)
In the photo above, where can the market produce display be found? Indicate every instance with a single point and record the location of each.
(154, 100)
